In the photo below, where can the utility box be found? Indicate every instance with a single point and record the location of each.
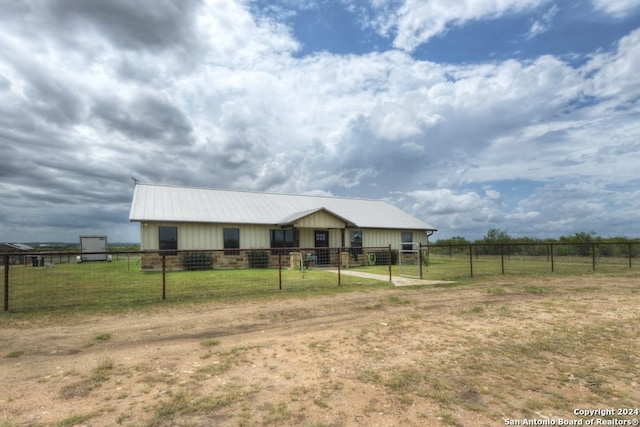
(93, 248)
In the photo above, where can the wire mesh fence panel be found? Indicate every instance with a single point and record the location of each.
(486, 265)
(613, 257)
(449, 262)
(220, 284)
(409, 261)
(572, 264)
(217, 275)
(103, 284)
(527, 264)
(53, 280)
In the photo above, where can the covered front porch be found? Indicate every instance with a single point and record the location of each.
(318, 230)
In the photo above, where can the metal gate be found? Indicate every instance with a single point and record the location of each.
(409, 260)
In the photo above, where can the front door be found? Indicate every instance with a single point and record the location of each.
(322, 245)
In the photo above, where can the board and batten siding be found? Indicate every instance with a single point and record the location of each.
(319, 220)
(195, 236)
(372, 237)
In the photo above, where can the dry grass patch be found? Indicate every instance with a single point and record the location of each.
(522, 365)
(469, 355)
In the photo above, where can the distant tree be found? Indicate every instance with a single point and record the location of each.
(581, 241)
(496, 237)
(621, 249)
(455, 240)
(456, 244)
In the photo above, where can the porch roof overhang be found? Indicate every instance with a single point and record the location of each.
(293, 219)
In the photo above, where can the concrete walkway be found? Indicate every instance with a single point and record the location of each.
(396, 280)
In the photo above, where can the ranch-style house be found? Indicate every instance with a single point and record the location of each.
(175, 219)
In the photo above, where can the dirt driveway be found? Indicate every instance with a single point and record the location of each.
(481, 354)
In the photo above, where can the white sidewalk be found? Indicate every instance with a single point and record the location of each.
(396, 280)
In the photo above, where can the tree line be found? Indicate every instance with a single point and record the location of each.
(578, 244)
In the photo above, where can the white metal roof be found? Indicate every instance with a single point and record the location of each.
(186, 204)
(18, 246)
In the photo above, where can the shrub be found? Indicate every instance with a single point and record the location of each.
(197, 261)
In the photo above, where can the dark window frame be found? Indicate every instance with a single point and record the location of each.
(282, 239)
(168, 240)
(231, 240)
(407, 245)
(355, 244)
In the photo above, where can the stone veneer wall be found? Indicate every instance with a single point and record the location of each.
(152, 261)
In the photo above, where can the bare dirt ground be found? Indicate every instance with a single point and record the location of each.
(480, 354)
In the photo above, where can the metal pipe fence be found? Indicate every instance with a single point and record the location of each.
(538, 258)
(54, 280)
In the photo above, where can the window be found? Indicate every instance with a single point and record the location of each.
(407, 240)
(168, 239)
(283, 238)
(356, 241)
(231, 241)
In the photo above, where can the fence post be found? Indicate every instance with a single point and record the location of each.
(279, 271)
(502, 257)
(6, 282)
(551, 252)
(629, 254)
(420, 258)
(390, 278)
(593, 256)
(339, 263)
(547, 251)
(164, 281)
(471, 258)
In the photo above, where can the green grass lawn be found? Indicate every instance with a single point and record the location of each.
(120, 284)
(458, 267)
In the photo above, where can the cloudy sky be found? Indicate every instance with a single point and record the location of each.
(521, 115)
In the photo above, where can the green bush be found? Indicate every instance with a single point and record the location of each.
(258, 259)
(196, 261)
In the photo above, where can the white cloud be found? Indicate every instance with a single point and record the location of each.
(452, 212)
(617, 8)
(236, 38)
(613, 73)
(493, 195)
(543, 24)
(417, 21)
(569, 207)
(578, 121)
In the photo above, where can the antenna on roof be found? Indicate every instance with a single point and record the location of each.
(135, 181)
